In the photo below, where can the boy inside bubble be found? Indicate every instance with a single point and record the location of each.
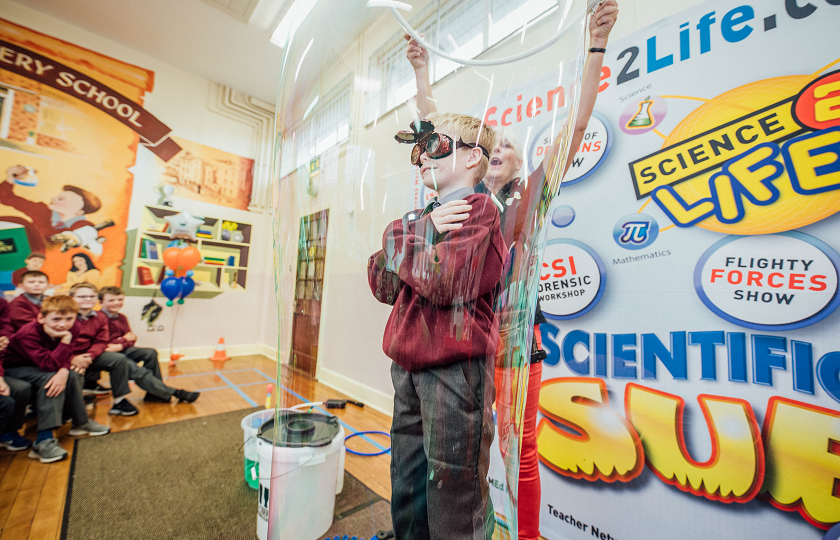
(440, 267)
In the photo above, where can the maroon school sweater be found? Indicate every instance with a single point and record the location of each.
(22, 311)
(90, 334)
(442, 287)
(31, 346)
(117, 328)
(5, 319)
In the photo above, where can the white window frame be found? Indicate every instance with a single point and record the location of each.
(331, 119)
(433, 21)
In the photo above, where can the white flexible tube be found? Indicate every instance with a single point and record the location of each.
(492, 62)
(303, 406)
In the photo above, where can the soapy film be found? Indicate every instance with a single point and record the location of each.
(341, 181)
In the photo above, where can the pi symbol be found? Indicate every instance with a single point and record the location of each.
(635, 231)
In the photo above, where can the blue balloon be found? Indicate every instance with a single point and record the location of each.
(190, 273)
(171, 287)
(169, 272)
(187, 286)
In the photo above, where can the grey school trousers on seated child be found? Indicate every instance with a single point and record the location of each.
(440, 436)
(122, 370)
(50, 410)
(13, 406)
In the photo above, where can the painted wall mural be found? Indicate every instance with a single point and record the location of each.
(71, 121)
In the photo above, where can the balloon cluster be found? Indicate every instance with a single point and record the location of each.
(180, 258)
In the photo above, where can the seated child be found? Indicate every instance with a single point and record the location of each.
(35, 261)
(25, 308)
(92, 338)
(440, 268)
(122, 338)
(39, 354)
(14, 394)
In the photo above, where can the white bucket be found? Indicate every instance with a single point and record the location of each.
(250, 424)
(311, 477)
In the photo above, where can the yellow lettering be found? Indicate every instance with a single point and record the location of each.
(681, 213)
(752, 169)
(607, 447)
(813, 160)
(827, 109)
(736, 468)
(803, 465)
(729, 209)
(715, 147)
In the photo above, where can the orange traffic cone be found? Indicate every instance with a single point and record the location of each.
(220, 355)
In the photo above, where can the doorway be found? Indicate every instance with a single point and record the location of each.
(309, 286)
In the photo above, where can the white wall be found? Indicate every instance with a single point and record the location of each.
(180, 100)
(350, 353)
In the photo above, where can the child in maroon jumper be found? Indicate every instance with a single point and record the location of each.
(39, 353)
(90, 355)
(14, 394)
(123, 339)
(26, 307)
(442, 278)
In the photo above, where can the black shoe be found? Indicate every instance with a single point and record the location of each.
(95, 390)
(184, 395)
(123, 408)
(154, 399)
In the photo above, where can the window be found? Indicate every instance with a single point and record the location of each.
(462, 28)
(327, 125)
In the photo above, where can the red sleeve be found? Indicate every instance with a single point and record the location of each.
(101, 339)
(5, 319)
(384, 284)
(453, 268)
(18, 314)
(36, 210)
(29, 346)
(117, 329)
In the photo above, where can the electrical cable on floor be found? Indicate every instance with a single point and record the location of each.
(367, 433)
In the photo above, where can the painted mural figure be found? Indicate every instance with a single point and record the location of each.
(82, 271)
(61, 221)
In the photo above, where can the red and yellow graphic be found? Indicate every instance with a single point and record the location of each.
(758, 159)
(794, 462)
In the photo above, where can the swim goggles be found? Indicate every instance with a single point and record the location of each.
(435, 145)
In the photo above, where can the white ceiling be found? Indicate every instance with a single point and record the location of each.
(208, 38)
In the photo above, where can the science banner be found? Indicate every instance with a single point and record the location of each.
(690, 275)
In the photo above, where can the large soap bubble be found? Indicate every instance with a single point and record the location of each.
(366, 247)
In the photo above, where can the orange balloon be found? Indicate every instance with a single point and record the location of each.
(180, 272)
(172, 257)
(190, 257)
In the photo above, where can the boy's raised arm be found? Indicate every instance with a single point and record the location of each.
(452, 268)
(419, 58)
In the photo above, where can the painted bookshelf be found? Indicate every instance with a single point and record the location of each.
(224, 244)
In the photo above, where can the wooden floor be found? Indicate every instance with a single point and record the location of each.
(32, 494)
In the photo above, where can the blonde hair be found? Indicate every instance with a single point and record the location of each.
(467, 129)
(83, 285)
(512, 138)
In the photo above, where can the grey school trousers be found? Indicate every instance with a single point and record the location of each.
(13, 406)
(50, 410)
(440, 436)
(123, 369)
